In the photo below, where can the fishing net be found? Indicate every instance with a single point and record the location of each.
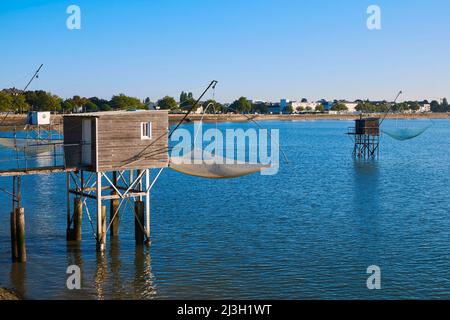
(29, 146)
(200, 163)
(403, 134)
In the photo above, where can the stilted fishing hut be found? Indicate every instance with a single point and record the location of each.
(366, 137)
(107, 156)
(102, 147)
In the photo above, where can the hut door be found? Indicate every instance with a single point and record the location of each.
(86, 150)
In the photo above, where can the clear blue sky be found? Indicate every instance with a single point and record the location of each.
(262, 49)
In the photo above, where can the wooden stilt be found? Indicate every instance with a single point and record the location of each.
(77, 219)
(100, 221)
(115, 217)
(114, 210)
(147, 207)
(104, 225)
(139, 222)
(68, 230)
(14, 249)
(20, 230)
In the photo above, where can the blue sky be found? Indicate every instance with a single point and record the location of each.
(262, 49)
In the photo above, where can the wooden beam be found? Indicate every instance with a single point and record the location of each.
(29, 171)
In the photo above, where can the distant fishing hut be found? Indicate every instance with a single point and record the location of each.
(366, 137)
(107, 157)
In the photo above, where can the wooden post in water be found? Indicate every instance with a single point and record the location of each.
(114, 210)
(147, 207)
(18, 247)
(14, 250)
(101, 244)
(77, 219)
(20, 230)
(68, 230)
(139, 222)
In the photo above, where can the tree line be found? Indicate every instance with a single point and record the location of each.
(408, 106)
(13, 100)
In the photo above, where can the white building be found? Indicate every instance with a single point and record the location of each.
(351, 106)
(425, 108)
(303, 106)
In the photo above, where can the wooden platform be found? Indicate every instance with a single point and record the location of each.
(29, 171)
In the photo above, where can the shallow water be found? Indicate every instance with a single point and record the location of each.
(310, 231)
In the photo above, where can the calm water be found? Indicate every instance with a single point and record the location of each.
(310, 231)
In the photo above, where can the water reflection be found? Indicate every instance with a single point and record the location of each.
(116, 265)
(100, 277)
(144, 280)
(366, 184)
(18, 278)
(367, 205)
(116, 274)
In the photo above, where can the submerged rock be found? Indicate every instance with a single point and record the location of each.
(6, 294)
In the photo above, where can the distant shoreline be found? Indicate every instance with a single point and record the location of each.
(300, 117)
(19, 120)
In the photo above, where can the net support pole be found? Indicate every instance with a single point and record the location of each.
(147, 207)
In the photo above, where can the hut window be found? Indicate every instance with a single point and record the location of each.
(146, 130)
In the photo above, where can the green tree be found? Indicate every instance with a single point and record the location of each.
(67, 105)
(365, 106)
(167, 103)
(435, 106)
(260, 108)
(183, 97)
(319, 108)
(6, 101)
(79, 101)
(123, 102)
(214, 106)
(187, 104)
(19, 102)
(289, 109)
(400, 107)
(90, 106)
(300, 109)
(445, 107)
(43, 101)
(105, 107)
(414, 106)
(99, 102)
(339, 107)
(242, 105)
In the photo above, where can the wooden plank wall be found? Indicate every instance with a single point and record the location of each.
(120, 146)
(72, 135)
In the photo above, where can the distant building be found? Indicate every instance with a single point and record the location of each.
(199, 110)
(426, 107)
(351, 106)
(303, 106)
(283, 105)
(326, 104)
(274, 108)
(150, 106)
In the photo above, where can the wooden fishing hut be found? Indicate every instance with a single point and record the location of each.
(107, 156)
(102, 147)
(366, 137)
